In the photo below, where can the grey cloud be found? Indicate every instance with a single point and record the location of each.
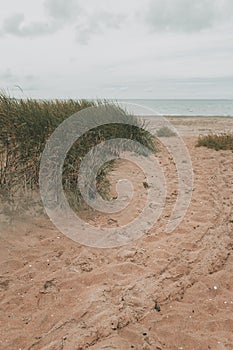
(63, 10)
(186, 15)
(60, 13)
(97, 24)
(14, 25)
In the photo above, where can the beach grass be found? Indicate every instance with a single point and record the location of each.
(165, 132)
(223, 141)
(27, 124)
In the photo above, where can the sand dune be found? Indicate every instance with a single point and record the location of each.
(163, 291)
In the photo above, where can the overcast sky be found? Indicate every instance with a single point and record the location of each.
(117, 49)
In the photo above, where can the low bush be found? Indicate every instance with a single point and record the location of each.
(218, 142)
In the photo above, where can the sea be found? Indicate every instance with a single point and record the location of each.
(222, 108)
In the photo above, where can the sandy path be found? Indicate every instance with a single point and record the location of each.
(161, 292)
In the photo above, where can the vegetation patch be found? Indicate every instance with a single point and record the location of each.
(218, 142)
(165, 132)
(27, 124)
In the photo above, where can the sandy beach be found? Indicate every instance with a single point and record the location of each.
(161, 292)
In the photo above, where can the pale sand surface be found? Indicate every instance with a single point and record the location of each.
(202, 125)
(195, 126)
(56, 294)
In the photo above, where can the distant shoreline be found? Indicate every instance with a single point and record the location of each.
(178, 108)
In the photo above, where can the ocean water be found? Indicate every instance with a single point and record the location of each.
(222, 108)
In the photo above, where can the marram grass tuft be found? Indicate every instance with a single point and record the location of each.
(223, 141)
(26, 125)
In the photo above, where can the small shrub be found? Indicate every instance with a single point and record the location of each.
(218, 142)
(165, 132)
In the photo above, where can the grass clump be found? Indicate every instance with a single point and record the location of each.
(27, 124)
(165, 132)
(218, 142)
